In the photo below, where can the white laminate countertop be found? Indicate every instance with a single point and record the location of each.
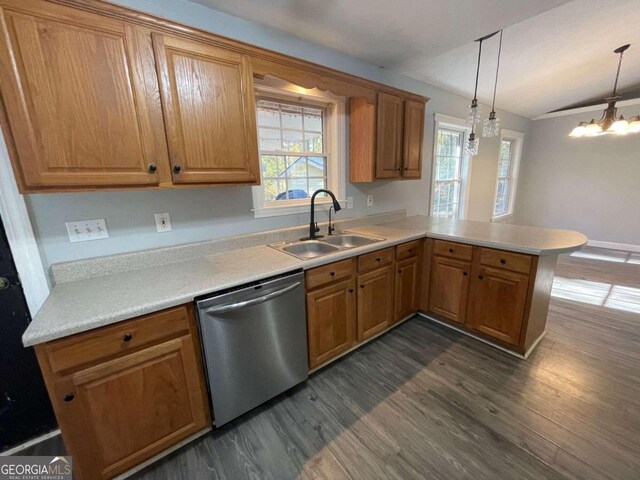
(80, 306)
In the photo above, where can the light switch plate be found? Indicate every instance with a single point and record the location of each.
(163, 222)
(369, 200)
(85, 230)
(349, 203)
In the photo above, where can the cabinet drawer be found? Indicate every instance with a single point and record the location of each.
(453, 249)
(330, 273)
(407, 250)
(516, 262)
(379, 258)
(97, 345)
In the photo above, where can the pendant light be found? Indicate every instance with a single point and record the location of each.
(491, 127)
(610, 123)
(473, 114)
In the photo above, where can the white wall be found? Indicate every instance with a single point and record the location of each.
(206, 213)
(587, 184)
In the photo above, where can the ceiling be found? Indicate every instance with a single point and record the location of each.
(556, 53)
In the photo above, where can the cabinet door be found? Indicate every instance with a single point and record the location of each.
(389, 136)
(210, 116)
(449, 288)
(375, 302)
(413, 131)
(406, 292)
(127, 410)
(497, 302)
(81, 98)
(331, 321)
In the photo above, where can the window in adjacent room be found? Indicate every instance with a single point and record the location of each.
(508, 162)
(448, 192)
(300, 151)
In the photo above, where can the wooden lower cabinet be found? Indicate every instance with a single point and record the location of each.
(406, 287)
(497, 302)
(449, 286)
(331, 321)
(139, 399)
(375, 301)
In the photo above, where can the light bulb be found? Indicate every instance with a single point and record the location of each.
(619, 127)
(473, 114)
(579, 131)
(491, 126)
(634, 124)
(593, 129)
(471, 145)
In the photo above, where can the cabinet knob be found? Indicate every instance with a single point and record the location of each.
(127, 337)
(333, 274)
(398, 169)
(503, 261)
(4, 283)
(465, 273)
(411, 250)
(378, 259)
(177, 168)
(361, 286)
(400, 271)
(351, 290)
(406, 168)
(480, 277)
(451, 250)
(69, 397)
(153, 168)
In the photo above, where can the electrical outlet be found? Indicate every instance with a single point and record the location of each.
(163, 222)
(85, 230)
(369, 200)
(349, 203)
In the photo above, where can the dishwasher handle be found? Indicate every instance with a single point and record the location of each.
(253, 301)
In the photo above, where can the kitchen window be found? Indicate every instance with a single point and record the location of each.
(506, 182)
(449, 168)
(300, 152)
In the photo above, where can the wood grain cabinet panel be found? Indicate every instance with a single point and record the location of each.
(389, 136)
(116, 413)
(375, 301)
(406, 288)
(209, 106)
(497, 303)
(81, 98)
(413, 130)
(331, 321)
(449, 287)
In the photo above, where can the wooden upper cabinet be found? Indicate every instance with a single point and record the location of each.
(389, 136)
(209, 107)
(497, 303)
(81, 98)
(413, 136)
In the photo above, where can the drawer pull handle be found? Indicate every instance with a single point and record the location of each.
(69, 397)
(503, 261)
(451, 250)
(127, 337)
(333, 274)
(480, 277)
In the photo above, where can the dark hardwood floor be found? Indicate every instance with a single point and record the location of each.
(423, 401)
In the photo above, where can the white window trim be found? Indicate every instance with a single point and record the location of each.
(22, 241)
(336, 148)
(515, 170)
(459, 124)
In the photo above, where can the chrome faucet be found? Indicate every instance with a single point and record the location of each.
(331, 228)
(313, 225)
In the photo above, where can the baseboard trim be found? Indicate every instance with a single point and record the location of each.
(628, 247)
(484, 340)
(30, 443)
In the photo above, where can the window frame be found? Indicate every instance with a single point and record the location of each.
(446, 122)
(334, 141)
(517, 138)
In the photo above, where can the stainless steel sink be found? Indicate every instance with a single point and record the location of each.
(309, 249)
(349, 240)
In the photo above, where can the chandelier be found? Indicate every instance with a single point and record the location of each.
(610, 123)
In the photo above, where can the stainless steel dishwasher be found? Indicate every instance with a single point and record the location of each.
(254, 340)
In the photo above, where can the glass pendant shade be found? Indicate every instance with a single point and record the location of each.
(619, 127)
(593, 128)
(580, 130)
(471, 145)
(473, 114)
(634, 124)
(491, 126)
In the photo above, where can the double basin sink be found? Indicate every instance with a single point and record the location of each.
(307, 249)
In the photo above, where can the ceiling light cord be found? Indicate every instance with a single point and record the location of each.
(615, 85)
(495, 85)
(475, 92)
